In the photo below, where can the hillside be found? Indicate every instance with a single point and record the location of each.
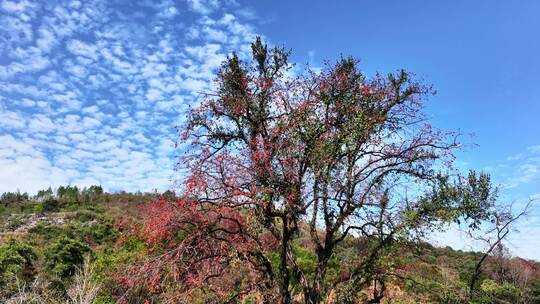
(45, 239)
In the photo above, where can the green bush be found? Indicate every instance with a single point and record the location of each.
(83, 216)
(102, 232)
(38, 207)
(49, 232)
(99, 232)
(51, 205)
(491, 292)
(64, 256)
(104, 300)
(535, 291)
(109, 260)
(306, 259)
(16, 260)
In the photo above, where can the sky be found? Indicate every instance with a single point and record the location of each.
(91, 91)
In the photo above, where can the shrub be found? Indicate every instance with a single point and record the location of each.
(38, 207)
(84, 216)
(491, 292)
(51, 205)
(16, 260)
(64, 256)
(104, 299)
(535, 291)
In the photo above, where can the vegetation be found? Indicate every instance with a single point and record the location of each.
(318, 188)
(44, 261)
(44, 241)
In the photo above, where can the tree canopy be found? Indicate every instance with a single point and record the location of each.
(324, 154)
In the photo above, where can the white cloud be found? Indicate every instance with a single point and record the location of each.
(90, 93)
(31, 174)
(10, 120)
(30, 60)
(521, 169)
(47, 39)
(77, 71)
(25, 168)
(215, 35)
(81, 48)
(89, 122)
(15, 6)
(40, 123)
(194, 85)
(153, 94)
(27, 102)
(153, 69)
(203, 6)
(91, 109)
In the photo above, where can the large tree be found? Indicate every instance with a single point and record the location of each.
(332, 153)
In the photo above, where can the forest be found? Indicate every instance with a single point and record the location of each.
(313, 187)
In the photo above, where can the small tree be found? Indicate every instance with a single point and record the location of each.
(501, 223)
(44, 194)
(68, 194)
(92, 194)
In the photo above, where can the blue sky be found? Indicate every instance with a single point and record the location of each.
(90, 91)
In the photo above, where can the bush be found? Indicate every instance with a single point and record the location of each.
(49, 232)
(16, 260)
(105, 299)
(51, 205)
(535, 291)
(64, 256)
(83, 216)
(38, 207)
(491, 292)
(103, 232)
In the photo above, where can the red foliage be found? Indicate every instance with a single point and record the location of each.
(266, 151)
(190, 244)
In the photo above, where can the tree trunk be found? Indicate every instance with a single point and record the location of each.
(284, 293)
(313, 295)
